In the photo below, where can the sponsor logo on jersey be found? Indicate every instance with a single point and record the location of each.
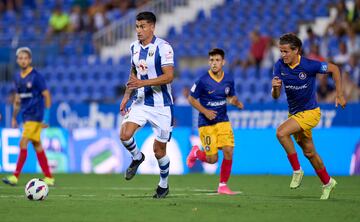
(296, 87)
(25, 95)
(216, 103)
(142, 67)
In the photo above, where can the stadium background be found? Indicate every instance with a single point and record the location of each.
(84, 55)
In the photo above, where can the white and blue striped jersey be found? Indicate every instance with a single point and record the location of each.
(148, 61)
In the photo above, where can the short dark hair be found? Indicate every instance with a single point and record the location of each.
(217, 51)
(148, 16)
(292, 40)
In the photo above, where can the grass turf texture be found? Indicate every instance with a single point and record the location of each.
(192, 197)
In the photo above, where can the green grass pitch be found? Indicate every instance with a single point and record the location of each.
(79, 197)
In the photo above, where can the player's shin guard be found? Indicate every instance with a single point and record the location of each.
(323, 175)
(43, 163)
(20, 162)
(294, 161)
(225, 171)
(164, 165)
(131, 146)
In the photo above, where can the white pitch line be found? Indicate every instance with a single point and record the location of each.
(132, 188)
(116, 195)
(188, 189)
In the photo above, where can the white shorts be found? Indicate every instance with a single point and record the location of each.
(160, 118)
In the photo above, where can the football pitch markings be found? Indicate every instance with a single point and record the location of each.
(179, 192)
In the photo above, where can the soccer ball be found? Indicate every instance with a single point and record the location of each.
(36, 189)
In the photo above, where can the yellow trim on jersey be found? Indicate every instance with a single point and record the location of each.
(296, 64)
(307, 120)
(214, 77)
(216, 137)
(32, 130)
(26, 72)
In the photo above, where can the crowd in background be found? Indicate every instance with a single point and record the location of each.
(83, 15)
(340, 44)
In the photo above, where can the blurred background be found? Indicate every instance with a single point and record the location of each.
(82, 49)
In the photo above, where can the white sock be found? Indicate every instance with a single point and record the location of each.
(131, 146)
(164, 165)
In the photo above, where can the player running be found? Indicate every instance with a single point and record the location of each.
(209, 95)
(298, 75)
(31, 92)
(152, 71)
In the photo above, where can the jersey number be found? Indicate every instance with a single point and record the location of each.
(207, 140)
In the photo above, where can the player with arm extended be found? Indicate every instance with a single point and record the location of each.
(33, 100)
(209, 95)
(152, 71)
(298, 75)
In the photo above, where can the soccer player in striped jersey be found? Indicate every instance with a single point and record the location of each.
(152, 71)
(31, 94)
(209, 95)
(298, 75)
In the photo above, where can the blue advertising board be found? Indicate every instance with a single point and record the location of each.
(106, 116)
(54, 141)
(257, 151)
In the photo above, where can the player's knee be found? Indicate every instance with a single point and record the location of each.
(280, 134)
(125, 136)
(159, 153)
(37, 146)
(212, 159)
(228, 153)
(309, 154)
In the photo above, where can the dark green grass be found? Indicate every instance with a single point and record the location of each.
(192, 198)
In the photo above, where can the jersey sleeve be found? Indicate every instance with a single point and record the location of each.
(166, 54)
(40, 83)
(232, 88)
(318, 67)
(15, 84)
(195, 90)
(131, 55)
(277, 70)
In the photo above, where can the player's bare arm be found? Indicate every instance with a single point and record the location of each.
(210, 114)
(127, 93)
(340, 99)
(233, 100)
(47, 98)
(276, 87)
(16, 109)
(165, 78)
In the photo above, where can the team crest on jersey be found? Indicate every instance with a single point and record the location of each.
(227, 90)
(302, 75)
(142, 67)
(324, 67)
(207, 148)
(29, 85)
(151, 53)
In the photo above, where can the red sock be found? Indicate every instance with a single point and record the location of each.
(293, 158)
(324, 176)
(43, 163)
(225, 170)
(201, 155)
(20, 162)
